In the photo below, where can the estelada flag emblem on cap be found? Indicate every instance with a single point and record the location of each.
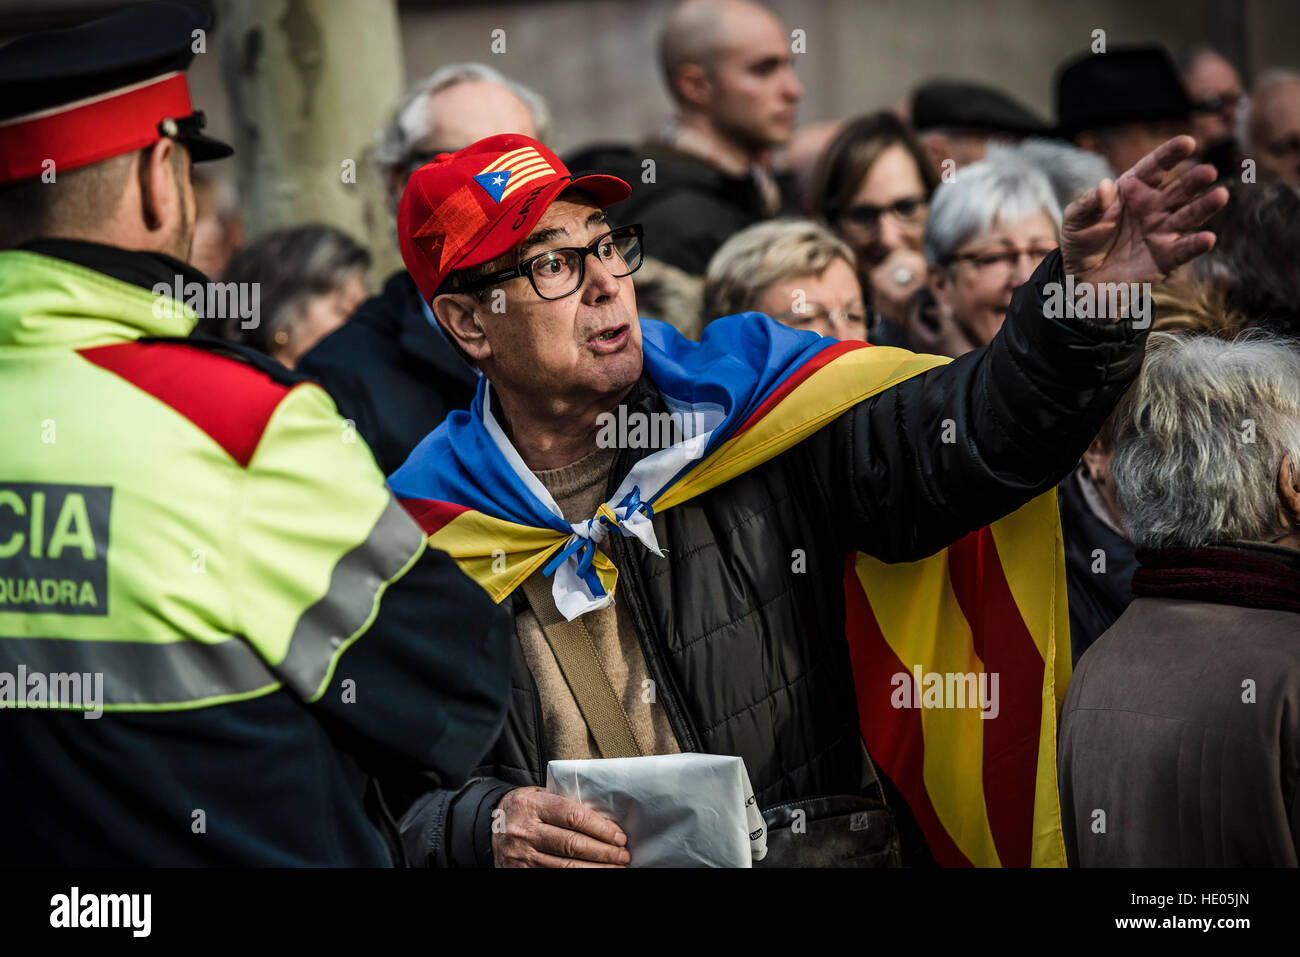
(510, 172)
(469, 207)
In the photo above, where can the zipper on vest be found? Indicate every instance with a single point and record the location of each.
(666, 687)
(646, 397)
(541, 732)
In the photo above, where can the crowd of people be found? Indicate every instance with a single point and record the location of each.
(1165, 424)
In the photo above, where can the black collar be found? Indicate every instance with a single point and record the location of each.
(147, 269)
(418, 338)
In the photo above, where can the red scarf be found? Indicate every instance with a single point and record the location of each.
(1254, 576)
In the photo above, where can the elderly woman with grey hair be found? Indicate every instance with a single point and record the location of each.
(987, 231)
(1181, 722)
(796, 271)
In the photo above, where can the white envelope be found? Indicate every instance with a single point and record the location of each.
(678, 810)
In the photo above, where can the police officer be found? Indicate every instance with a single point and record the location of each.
(217, 627)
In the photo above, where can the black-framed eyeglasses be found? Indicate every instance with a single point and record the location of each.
(1218, 104)
(909, 209)
(557, 273)
(1287, 146)
(1005, 258)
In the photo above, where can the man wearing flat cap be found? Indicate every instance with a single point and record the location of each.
(956, 120)
(1121, 104)
(213, 614)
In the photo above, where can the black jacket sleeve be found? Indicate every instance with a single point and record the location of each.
(423, 693)
(914, 468)
(347, 385)
(453, 828)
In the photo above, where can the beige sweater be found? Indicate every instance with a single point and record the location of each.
(579, 489)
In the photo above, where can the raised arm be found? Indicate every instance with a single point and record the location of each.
(918, 466)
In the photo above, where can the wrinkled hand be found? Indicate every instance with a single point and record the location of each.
(1139, 228)
(547, 830)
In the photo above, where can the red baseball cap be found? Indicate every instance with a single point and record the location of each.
(469, 207)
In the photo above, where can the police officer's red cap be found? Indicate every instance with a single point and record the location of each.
(469, 207)
(101, 89)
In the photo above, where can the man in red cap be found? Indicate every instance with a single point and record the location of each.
(191, 548)
(473, 207)
(719, 642)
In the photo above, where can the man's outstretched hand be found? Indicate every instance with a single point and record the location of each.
(1139, 228)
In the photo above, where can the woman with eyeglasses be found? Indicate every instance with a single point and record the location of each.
(794, 270)
(873, 188)
(987, 232)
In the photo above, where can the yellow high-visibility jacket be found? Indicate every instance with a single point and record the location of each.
(191, 544)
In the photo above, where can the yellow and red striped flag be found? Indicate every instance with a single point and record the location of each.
(991, 607)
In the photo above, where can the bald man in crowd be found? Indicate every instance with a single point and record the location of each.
(1273, 127)
(730, 73)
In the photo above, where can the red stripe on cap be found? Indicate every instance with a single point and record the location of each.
(91, 130)
(456, 220)
(228, 400)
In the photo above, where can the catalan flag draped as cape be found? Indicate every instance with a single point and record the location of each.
(982, 788)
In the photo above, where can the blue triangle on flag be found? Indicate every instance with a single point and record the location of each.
(494, 183)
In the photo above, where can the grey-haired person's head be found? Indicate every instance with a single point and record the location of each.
(988, 229)
(1268, 128)
(451, 108)
(1004, 190)
(1070, 170)
(1201, 438)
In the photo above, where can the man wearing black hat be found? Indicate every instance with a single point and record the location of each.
(1121, 104)
(193, 555)
(956, 120)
